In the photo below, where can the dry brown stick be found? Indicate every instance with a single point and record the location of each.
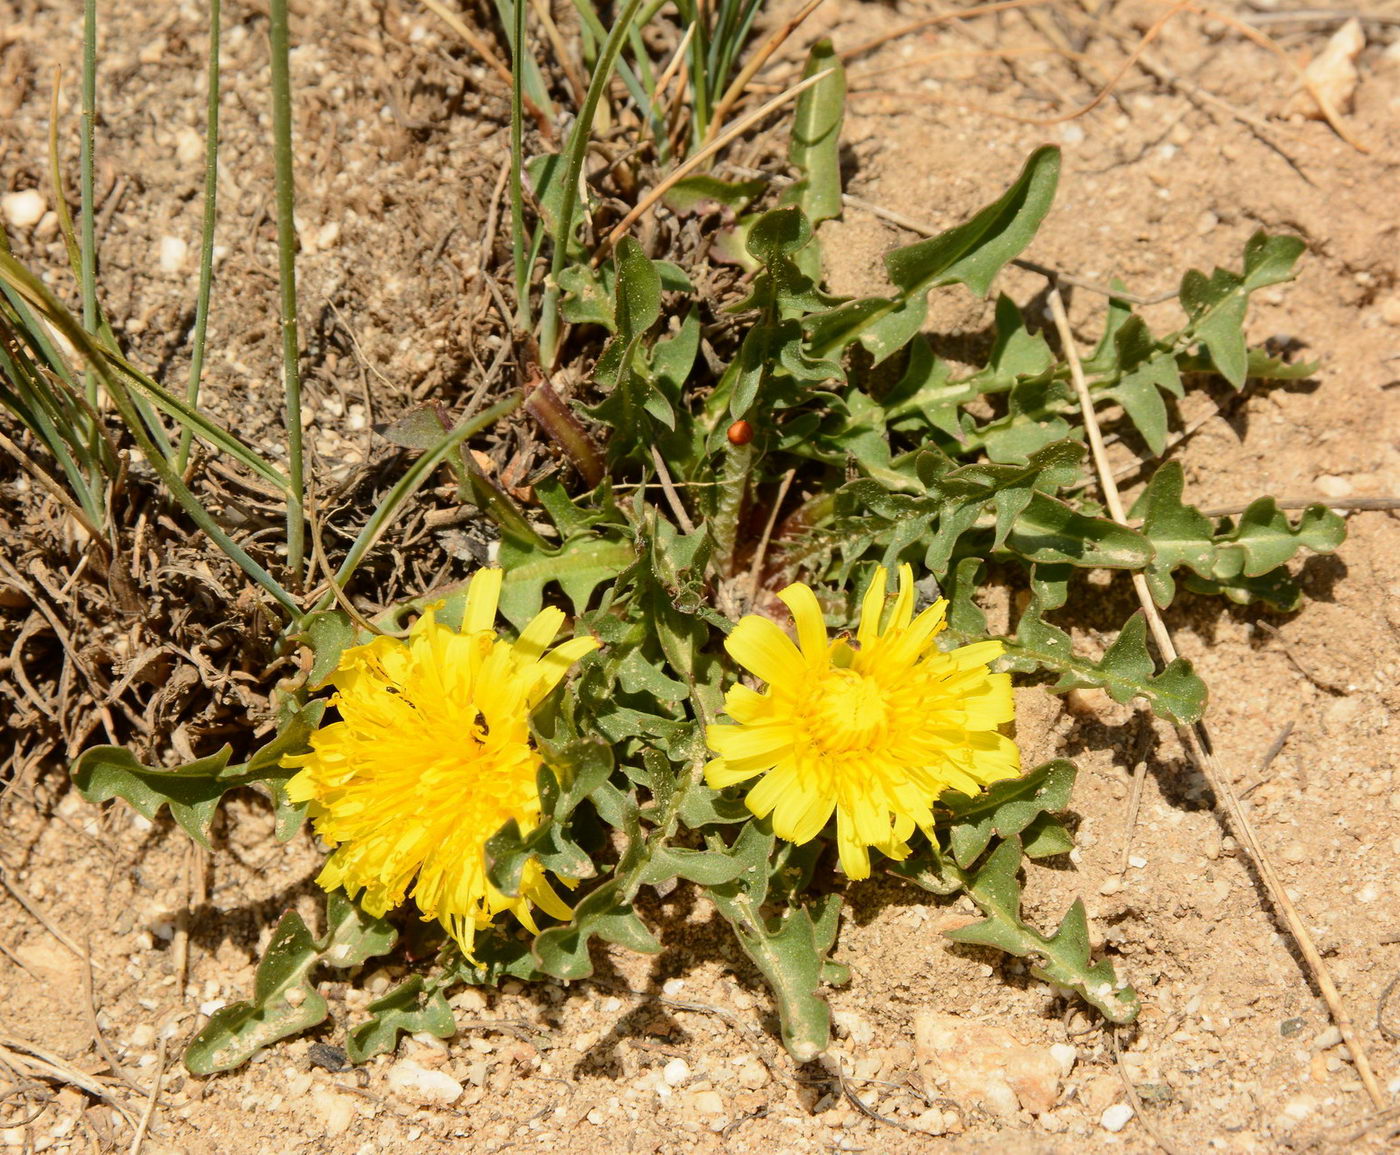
(196, 893)
(674, 68)
(668, 488)
(1148, 1125)
(475, 43)
(761, 553)
(144, 1125)
(90, 1005)
(865, 1108)
(36, 1062)
(756, 62)
(1197, 740)
(35, 913)
(561, 51)
(1355, 504)
(699, 157)
(1134, 805)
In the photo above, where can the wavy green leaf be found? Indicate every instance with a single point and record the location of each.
(972, 253)
(193, 791)
(285, 1001)
(1062, 958)
(1216, 304)
(1005, 808)
(411, 1007)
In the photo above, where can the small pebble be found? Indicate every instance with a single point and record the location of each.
(1390, 307)
(1136, 861)
(22, 210)
(1115, 1118)
(1327, 1038)
(708, 1102)
(1330, 485)
(422, 1086)
(672, 987)
(931, 1122)
(676, 1072)
(337, 1111)
(172, 254)
(189, 146)
(1065, 1055)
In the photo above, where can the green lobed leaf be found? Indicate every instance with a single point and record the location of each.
(571, 773)
(410, 1008)
(1180, 535)
(1063, 958)
(621, 368)
(1176, 694)
(699, 193)
(972, 253)
(1126, 672)
(235, 1033)
(328, 634)
(192, 791)
(1264, 538)
(1053, 532)
(1216, 304)
(1005, 808)
(789, 948)
(1244, 562)
(1140, 391)
(579, 566)
(563, 951)
(353, 936)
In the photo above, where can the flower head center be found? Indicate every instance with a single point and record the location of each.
(849, 710)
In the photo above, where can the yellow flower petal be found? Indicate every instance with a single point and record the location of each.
(871, 609)
(483, 595)
(807, 617)
(761, 648)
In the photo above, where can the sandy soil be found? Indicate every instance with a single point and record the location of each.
(401, 139)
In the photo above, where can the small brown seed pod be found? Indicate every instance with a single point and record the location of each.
(740, 433)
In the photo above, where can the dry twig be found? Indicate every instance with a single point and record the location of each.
(756, 62)
(1136, 1102)
(144, 1125)
(1197, 741)
(698, 158)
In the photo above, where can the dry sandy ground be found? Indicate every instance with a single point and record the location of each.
(401, 139)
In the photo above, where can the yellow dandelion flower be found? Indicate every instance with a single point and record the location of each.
(431, 757)
(874, 730)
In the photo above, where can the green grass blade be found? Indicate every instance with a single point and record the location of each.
(286, 263)
(87, 276)
(409, 484)
(204, 427)
(577, 147)
(33, 405)
(97, 359)
(531, 78)
(517, 169)
(206, 239)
